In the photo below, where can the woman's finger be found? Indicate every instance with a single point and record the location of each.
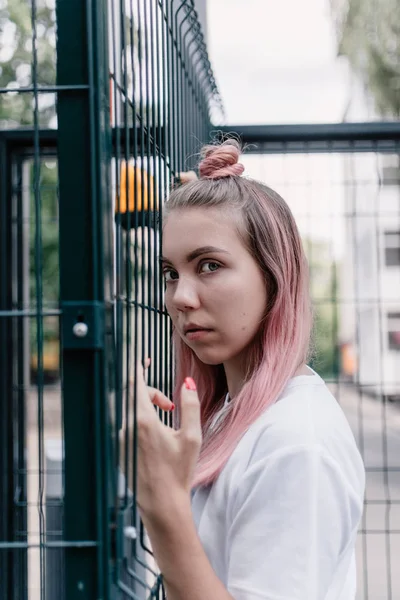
(146, 365)
(146, 393)
(156, 396)
(190, 412)
(159, 399)
(143, 404)
(185, 177)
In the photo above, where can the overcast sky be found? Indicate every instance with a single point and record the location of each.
(275, 61)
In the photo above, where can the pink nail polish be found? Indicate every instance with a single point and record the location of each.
(172, 406)
(190, 384)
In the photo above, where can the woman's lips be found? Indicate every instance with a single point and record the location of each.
(197, 334)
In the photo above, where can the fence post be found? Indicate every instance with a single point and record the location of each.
(85, 265)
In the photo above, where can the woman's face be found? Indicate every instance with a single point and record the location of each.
(215, 291)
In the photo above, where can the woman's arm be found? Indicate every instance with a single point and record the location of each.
(180, 555)
(165, 467)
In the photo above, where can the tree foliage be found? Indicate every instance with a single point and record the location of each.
(369, 35)
(16, 61)
(324, 356)
(17, 71)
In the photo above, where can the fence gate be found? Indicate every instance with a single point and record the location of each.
(95, 122)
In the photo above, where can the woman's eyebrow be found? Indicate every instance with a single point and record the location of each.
(196, 253)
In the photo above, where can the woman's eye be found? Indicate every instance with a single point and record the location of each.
(170, 275)
(209, 267)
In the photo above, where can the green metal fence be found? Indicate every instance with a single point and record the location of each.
(91, 136)
(112, 98)
(342, 182)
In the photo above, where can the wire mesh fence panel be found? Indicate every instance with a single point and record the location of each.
(163, 95)
(102, 104)
(345, 195)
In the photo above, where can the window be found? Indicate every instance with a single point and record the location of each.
(392, 248)
(390, 174)
(394, 331)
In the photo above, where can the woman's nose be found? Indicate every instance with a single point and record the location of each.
(185, 295)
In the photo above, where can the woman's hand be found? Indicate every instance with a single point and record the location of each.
(185, 177)
(166, 458)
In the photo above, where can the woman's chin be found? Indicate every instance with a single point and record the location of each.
(210, 358)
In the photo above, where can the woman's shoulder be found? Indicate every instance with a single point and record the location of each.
(306, 412)
(305, 417)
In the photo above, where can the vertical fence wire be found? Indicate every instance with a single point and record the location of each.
(162, 102)
(39, 298)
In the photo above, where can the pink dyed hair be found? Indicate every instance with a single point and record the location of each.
(269, 231)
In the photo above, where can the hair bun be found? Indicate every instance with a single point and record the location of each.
(221, 161)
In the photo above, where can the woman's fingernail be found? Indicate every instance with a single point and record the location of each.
(172, 406)
(190, 384)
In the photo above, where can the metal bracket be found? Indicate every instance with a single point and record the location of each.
(82, 325)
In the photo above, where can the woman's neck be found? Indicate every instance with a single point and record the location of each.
(235, 375)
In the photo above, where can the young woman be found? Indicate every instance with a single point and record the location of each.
(258, 491)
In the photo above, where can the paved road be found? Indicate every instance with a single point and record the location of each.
(377, 429)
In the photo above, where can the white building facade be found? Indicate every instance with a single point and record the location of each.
(370, 279)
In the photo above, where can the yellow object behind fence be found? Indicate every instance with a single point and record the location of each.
(140, 187)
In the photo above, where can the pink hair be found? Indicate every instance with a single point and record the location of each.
(269, 231)
(220, 161)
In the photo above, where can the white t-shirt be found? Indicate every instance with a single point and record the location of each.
(281, 520)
